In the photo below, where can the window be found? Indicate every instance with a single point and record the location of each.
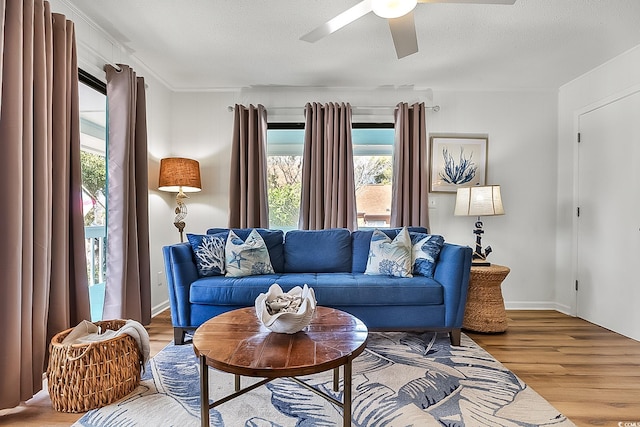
(372, 152)
(373, 172)
(285, 142)
(93, 150)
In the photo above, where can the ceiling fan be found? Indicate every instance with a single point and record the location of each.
(399, 13)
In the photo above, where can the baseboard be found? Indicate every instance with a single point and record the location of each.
(565, 309)
(538, 305)
(530, 305)
(159, 308)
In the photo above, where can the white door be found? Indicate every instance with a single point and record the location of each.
(609, 220)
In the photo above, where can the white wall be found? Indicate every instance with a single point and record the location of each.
(522, 158)
(615, 76)
(201, 130)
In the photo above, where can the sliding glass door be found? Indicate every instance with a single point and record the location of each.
(93, 145)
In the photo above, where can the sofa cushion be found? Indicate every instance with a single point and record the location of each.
(273, 238)
(246, 257)
(230, 291)
(361, 241)
(331, 289)
(425, 251)
(317, 251)
(208, 251)
(390, 257)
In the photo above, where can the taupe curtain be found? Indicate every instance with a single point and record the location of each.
(248, 200)
(328, 198)
(410, 188)
(128, 285)
(42, 260)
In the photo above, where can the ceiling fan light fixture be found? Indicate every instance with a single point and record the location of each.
(392, 8)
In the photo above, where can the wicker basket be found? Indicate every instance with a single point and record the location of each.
(88, 376)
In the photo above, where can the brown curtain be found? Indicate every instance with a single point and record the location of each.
(328, 198)
(128, 285)
(410, 188)
(43, 265)
(248, 202)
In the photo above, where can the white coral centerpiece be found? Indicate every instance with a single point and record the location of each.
(286, 312)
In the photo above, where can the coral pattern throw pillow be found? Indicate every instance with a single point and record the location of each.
(247, 258)
(390, 257)
(426, 249)
(208, 251)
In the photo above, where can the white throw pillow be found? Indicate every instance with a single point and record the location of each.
(246, 258)
(390, 257)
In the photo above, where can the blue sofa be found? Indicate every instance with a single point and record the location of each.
(332, 262)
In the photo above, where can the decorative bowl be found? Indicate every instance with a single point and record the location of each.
(286, 312)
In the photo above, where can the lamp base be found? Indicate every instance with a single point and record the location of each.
(180, 226)
(479, 259)
(480, 263)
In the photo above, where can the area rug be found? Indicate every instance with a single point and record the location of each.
(401, 379)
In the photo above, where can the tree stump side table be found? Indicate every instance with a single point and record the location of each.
(485, 310)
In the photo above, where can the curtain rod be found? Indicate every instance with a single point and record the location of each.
(116, 66)
(118, 69)
(434, 108)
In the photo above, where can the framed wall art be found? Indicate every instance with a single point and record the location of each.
(457, 161)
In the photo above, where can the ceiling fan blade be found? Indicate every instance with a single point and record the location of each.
(345, 18)
(403, 31)
(470, 1)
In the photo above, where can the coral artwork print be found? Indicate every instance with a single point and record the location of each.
(457, 161)
(458, 173)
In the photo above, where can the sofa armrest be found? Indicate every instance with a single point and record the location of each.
(181, 271)
(452, 272)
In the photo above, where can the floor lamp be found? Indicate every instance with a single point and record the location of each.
(182, 176)
(479, 201)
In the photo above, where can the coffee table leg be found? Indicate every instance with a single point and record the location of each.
(204, 392)
(336, 378)
(237, 382)
(346, 415)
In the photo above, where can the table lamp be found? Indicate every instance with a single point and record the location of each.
(179, 175)
(479, 201)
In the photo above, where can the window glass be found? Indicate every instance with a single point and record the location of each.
(284, 176)
(373, 172)
(93, 150)
(373, 165)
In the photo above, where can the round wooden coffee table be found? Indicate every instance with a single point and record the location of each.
(236, 342)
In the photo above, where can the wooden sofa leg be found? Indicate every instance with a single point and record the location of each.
(454, 336)
(178, 335)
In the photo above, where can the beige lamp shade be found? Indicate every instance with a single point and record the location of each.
(179, 174)
(479, 201)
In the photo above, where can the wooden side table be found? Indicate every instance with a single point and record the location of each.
(485, 310)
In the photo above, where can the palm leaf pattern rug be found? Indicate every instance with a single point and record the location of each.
(401, 379)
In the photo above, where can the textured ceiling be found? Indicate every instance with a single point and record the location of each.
(205, 44)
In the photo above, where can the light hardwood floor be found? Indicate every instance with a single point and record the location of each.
(588, 373)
